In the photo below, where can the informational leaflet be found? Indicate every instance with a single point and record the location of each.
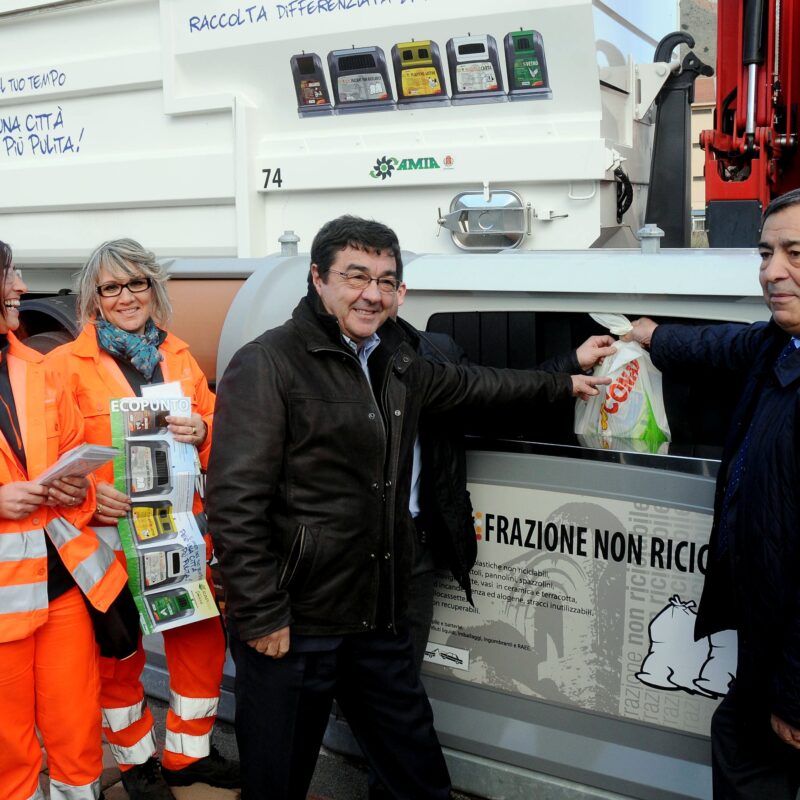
(161, 536)
(77, 462)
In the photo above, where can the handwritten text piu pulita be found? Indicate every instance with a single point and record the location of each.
(38, 133)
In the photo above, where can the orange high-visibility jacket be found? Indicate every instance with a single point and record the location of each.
(94, 378)
(49, 426)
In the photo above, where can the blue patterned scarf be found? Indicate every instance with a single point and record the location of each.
(141, 351)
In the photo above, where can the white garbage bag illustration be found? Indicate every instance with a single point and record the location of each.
(675, 660)
(720, 667)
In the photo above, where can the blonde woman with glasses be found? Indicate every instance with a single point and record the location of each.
(124, 345)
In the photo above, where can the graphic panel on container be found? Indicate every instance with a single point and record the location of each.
(418, 73)
(310, 85)
(526, 65)
(360, 80)
(474, 65)
(587, 602)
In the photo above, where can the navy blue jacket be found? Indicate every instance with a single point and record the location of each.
(753, 583)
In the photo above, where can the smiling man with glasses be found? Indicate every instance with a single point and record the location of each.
(308, 500)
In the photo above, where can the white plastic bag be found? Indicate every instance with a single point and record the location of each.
(632, 405)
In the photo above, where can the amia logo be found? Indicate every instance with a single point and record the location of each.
(386, 165)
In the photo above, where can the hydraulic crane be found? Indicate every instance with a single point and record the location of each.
(750, 155)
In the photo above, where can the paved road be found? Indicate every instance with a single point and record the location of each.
(336, 778)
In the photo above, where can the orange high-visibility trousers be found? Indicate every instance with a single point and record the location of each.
(50, 681)
(195, 656)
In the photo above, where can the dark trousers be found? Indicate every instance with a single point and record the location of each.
(749, 762)
(283, 705)
(419, 616)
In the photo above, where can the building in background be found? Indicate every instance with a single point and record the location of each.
(699, 18)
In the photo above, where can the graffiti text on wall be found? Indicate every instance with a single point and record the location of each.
(38, 133)
(259, 13)
(37, 82)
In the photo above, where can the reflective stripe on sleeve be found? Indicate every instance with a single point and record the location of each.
(92, 569)
(193, 707)
(137, 753)
(23, 597)
(22, 546)
(117, 719)
(62, 531)
(188, 745)
(63, 791)
(109, 534)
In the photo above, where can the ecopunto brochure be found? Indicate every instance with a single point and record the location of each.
(161, 536)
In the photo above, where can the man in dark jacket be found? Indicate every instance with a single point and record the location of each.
(440, 503)
(308, 492)
(753, 577)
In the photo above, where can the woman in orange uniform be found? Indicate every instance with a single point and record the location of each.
(50, 565)
(124, 345)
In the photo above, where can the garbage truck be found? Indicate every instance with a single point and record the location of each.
(510, 145)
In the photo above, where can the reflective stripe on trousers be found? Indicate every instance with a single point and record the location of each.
(63, 791)
(188, 745)
(38, 794)
(117, 719)
(137, 753)
(193, 707)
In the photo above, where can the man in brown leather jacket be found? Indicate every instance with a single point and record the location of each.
(308, 495)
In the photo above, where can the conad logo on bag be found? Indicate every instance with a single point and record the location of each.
(619, 391)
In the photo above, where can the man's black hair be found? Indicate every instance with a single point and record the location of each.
(350, 231)
(786, 200)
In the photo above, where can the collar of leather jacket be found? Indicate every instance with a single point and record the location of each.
(410, 332)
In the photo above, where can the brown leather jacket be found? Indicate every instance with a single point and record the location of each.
(310, 471)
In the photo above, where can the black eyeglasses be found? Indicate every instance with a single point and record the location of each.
(360, 281)
(136, 285)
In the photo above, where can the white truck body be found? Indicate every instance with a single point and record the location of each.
(158, 121)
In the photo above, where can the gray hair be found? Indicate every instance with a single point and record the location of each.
(779, 203)
(124, 259)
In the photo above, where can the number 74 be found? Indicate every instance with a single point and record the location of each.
(276, 177)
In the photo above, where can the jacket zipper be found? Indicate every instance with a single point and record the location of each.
(352, 356)
(389, 507)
